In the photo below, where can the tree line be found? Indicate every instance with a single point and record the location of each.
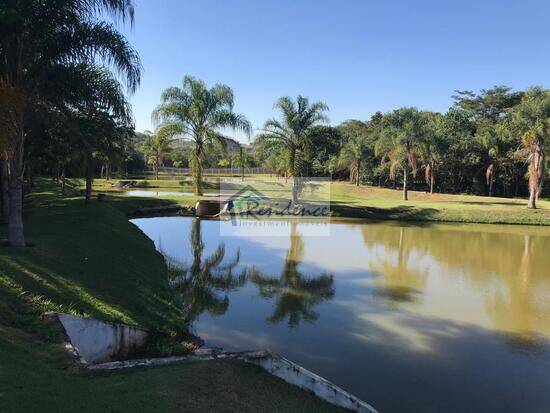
(66, 72)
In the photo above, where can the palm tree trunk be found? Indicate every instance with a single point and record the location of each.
(536, 173)
(197, 172)
(89, 176)
(405, 183)
(357, 172)
(4, 191)
(242, 162)
(16, 234)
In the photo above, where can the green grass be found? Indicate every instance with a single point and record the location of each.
(383, 204)
(90, 260)
(37, 377)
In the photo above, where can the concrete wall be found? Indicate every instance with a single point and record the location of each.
(294, 374)
(97, 341)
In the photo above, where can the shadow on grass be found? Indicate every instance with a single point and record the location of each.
(403, 213)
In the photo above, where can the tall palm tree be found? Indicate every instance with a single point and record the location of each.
(355, 148)
(198, 114)
(296, 293)
(434, 147)
(199, 284)
(37, 38)
(530, 119)
(293, 132)
(401, 137)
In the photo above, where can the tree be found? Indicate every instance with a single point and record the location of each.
(37, 38)
(487, 110)
(433, 148)
(293, 133)
(400, 141)
(198, 114)
(156, 148)
(530, 120)
(356, 147)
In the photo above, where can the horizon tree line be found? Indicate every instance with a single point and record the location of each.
(66, 72)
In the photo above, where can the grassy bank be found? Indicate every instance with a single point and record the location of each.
(377, 203)
(89, 260)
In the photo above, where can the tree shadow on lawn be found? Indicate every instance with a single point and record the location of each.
(405, 213)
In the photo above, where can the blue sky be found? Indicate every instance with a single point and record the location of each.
(358, 56)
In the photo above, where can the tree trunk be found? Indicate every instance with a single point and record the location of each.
(405, 186)
(536, 173)
(242, 162)
(63, 179)
(357, 173)
(198, 171)
(16, 235)
(89, 176)
(4, 191)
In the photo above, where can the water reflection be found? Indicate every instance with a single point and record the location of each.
(510, 272)
(449, 317)
(295, 293)
(203, 285)
(403, 279)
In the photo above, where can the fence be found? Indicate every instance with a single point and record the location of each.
(213, 171)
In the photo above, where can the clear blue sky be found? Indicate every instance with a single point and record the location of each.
(358, 56)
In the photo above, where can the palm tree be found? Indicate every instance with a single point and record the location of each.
(296, 293)
(198, 114)
(401, 137)
(37, 40)
(198, 285)
(491, 140)
(293, 133)
(434, 147)
(530, 119)
(155, 148)
(355, 149)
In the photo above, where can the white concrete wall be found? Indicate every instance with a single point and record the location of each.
(97, 341)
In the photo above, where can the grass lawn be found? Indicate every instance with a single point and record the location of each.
(377, 203)
(89, 260)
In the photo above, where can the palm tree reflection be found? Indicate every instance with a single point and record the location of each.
(295, 293)
(202, 286)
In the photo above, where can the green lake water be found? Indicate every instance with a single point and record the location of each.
(408, 317)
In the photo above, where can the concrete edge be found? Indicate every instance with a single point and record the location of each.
(272, 363)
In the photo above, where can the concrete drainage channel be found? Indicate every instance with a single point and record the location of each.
(98, 344)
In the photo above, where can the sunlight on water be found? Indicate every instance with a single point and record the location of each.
(434, 317)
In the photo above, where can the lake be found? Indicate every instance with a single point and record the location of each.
(408, 317)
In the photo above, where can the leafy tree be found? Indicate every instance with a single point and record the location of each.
(490, 104)
(400, 141)
(39, 39)
(293, 133)
(197, 113)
